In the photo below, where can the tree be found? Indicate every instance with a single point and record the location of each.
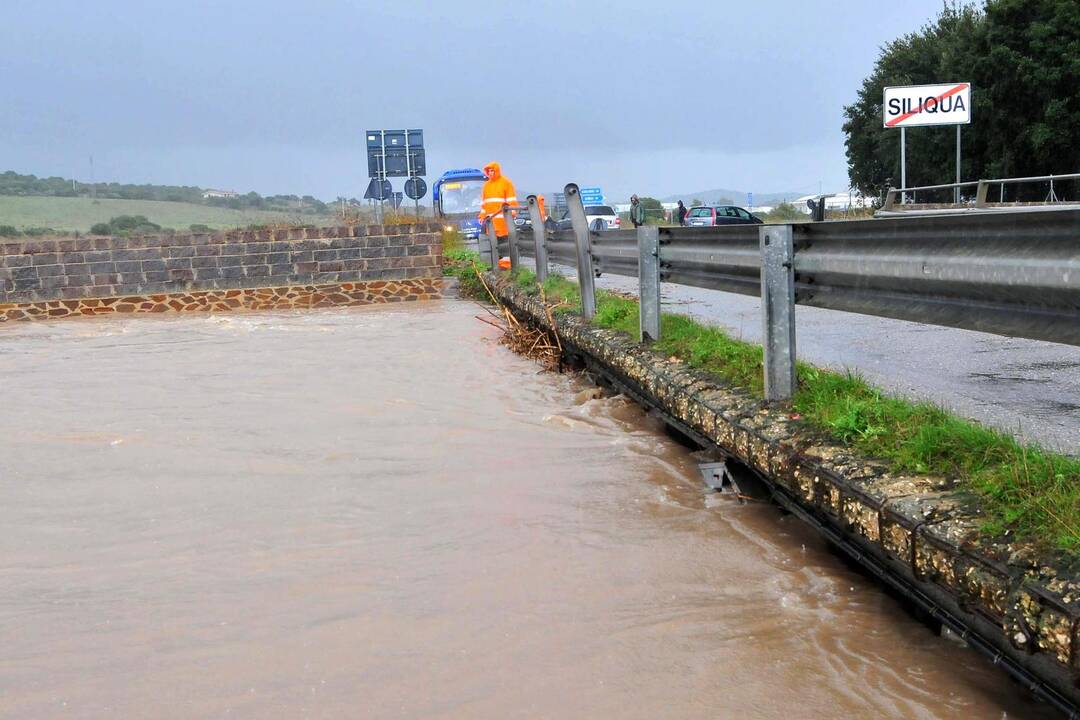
(943, 51)
(1023, 60)
(1032, 53)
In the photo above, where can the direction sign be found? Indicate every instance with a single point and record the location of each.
(395, 153)
(913, 105)
(415, 188)
(592, 196)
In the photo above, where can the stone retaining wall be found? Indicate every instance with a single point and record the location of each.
(1023, 602)
(306, 267)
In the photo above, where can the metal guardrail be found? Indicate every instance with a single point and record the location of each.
(1008, 273)
(1014, 274)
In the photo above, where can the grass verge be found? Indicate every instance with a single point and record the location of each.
(1024, 489)
(466, 266)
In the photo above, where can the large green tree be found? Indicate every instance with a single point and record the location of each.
(1023, 60)
(1030, 71)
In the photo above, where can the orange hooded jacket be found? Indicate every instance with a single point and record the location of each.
(497, 190)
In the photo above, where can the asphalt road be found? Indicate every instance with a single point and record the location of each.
(1026, 387)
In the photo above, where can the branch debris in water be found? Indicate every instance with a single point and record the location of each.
(543, 347)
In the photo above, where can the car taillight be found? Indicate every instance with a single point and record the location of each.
(618, 222)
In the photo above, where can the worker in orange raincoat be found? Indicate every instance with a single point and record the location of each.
(498, 190)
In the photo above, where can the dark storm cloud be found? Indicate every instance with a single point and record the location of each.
(274, 96)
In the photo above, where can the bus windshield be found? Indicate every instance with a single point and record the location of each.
(461, 196)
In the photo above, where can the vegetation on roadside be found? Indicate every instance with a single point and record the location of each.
(1024, 489)
(466, 266)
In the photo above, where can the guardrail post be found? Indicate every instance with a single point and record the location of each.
(586, 279)
(778, 310)
(890, 199)
(511, 237)
(493, 244)
(981, 192)
(648, 239)
(539, 236)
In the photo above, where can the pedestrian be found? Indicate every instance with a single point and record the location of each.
(637, 211)
(682, 213)
(498, 191)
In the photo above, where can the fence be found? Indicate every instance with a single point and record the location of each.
(1013, 273)
(982, 190)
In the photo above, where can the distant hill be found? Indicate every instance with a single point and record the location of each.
(14, 184)
(77, 214)
(737, 197)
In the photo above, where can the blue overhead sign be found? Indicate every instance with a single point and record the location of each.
(592, 196)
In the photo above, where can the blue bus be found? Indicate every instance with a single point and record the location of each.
(456, 196)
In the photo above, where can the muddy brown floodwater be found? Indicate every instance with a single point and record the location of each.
(381, 513)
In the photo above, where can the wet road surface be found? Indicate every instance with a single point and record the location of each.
(382, 513)
(1025, 387)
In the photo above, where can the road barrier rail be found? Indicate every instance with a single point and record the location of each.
(1013, 273)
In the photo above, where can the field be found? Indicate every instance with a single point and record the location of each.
(78, 214)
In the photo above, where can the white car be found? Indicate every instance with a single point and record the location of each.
(600, 217)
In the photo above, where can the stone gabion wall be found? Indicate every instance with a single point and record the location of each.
(42, 271)
(299, 297)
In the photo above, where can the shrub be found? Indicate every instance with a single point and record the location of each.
(9, 231)
(126, 225)
(38, 231)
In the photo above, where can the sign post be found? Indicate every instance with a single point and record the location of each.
(956, 193)
(903, 163)
(916, 105)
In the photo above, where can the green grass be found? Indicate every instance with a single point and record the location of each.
(78, 214)
(466, 266)
(1024, 489)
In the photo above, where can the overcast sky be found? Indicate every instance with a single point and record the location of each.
(648, 97)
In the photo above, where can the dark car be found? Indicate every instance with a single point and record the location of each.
(523, 219)
(721, 215)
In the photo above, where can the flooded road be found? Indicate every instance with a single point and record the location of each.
(381, 513)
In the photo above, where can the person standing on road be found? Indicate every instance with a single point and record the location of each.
(498, 191)
(637, 211)
(682, 213)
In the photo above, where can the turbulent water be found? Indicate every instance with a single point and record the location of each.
(381, 513)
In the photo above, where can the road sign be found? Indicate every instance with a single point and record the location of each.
(913, 105)
(592, 196)
(415, 188)
(395, 153)
(378, 190)
(750, 200)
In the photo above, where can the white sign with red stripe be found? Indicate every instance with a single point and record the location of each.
(928, 105)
